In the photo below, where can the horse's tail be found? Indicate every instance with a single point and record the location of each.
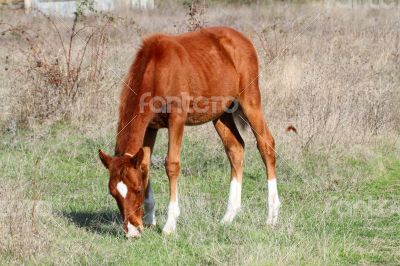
(239, 118)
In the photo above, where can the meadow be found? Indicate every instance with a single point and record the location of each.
(331, 71)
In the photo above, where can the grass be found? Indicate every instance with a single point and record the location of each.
(329, 219)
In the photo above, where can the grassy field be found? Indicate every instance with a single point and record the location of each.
(331, 71)
(347, 216)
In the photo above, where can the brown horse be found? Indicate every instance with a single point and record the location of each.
(189, 79)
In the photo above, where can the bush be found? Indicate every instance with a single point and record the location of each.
(61, 66)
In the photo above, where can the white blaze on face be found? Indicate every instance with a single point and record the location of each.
(122, 189)
(132, 231)
(273, 202)
(234, 200)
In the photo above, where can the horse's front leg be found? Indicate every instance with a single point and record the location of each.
(149, 215)
(172, 166)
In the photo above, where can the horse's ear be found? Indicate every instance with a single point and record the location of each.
(105, 159)
(138, 158)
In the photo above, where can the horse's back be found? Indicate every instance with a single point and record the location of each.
(220, 46)
(212, 58)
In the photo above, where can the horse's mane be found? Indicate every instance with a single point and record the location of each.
(129, 95)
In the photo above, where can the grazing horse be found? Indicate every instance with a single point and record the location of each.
(188, 79)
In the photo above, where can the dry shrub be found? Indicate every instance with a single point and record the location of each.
(62, 65)
(195, 13)
(332, 75)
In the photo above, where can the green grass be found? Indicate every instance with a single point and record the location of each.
(335, 211)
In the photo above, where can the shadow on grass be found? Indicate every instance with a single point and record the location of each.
(104, 223)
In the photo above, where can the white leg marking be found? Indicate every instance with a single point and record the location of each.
(234, 201)
(273, 202)
(132, 231)
(173, 213)
(122, 189)
(149, 216)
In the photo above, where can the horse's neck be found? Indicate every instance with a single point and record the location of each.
(133, 121)
(130, 134)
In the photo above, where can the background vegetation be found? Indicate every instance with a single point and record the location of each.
(330, 70)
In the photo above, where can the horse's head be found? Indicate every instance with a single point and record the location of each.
(127, 184)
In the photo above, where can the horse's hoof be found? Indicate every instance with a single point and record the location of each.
(227, 219)
(271, 222)
(169, 229)
(273, 213)
(168, 233)
(229, 216)
(149, 219)
(150, 223)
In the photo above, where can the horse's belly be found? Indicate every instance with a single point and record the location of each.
(201, 118)
(192, 119)
(196, 114)
(199, 114)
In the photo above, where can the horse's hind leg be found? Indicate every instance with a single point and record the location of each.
(251, 105)
(234, 148)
